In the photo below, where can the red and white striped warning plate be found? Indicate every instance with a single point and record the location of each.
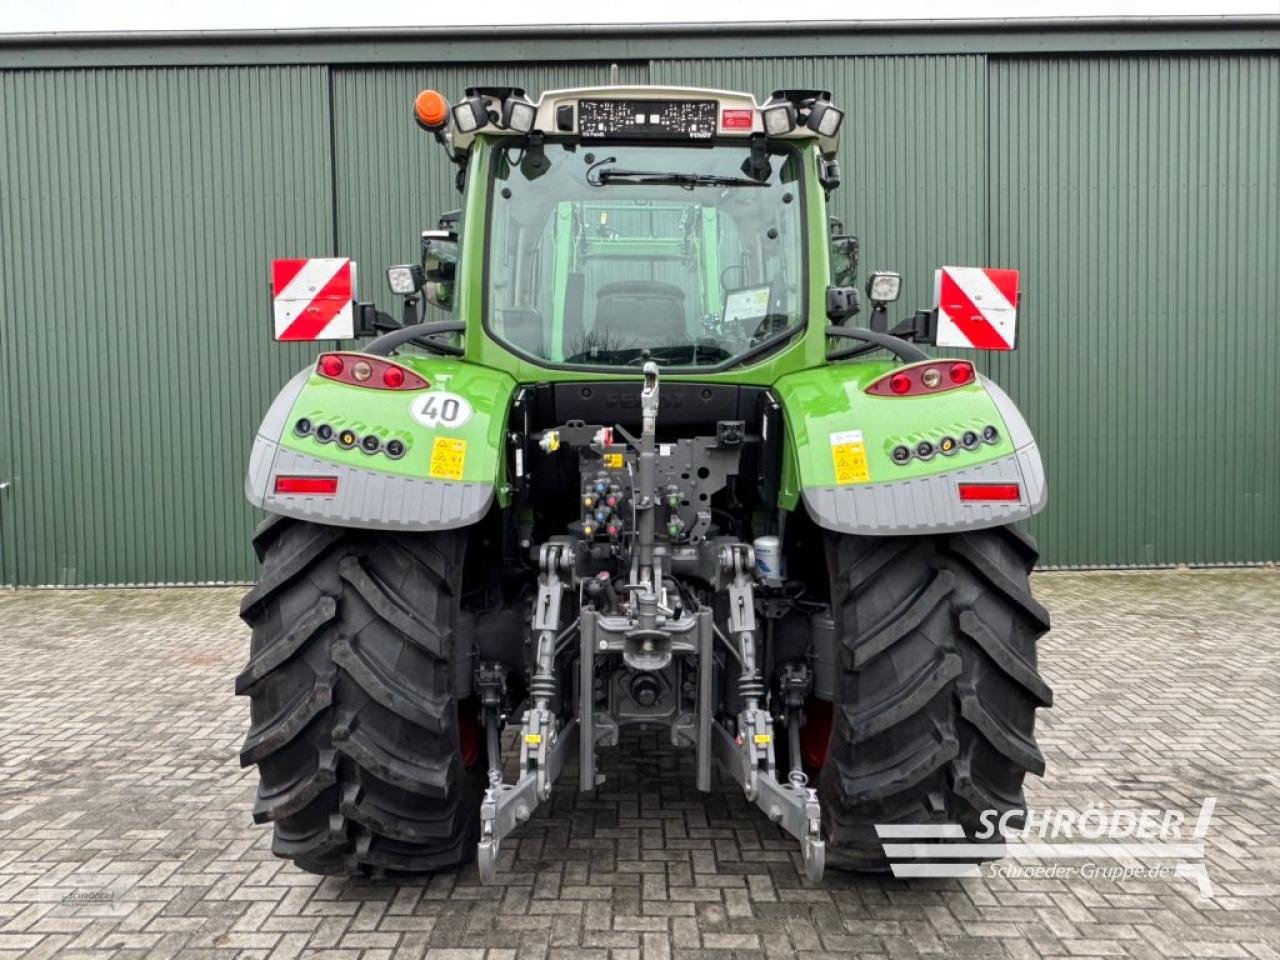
(313, 299)
(977, 307)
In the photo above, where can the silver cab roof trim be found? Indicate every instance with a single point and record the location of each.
(546, 104)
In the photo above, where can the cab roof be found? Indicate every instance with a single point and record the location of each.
(661, 114)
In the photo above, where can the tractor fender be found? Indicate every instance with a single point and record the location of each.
(842, 440)
(451, 434)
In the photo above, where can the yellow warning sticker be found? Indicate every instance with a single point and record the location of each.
(613, 461)
(533, 739)
(448, 455)
(849, 454)
(763, 739)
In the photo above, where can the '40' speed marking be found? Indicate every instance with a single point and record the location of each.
(439, 408)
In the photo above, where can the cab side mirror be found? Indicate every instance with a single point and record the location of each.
(439, 255)
(439, 265)
(844, 259)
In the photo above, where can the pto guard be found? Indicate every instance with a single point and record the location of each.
(835, 428)
(446, 477)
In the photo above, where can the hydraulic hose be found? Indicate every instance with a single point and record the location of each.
(907, 352)
(384, 344)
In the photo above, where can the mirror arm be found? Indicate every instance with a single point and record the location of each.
(921, 327)
(410, 313)
(370, 321)
(879, 317)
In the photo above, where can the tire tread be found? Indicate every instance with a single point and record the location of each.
(353, 725)
(938, 688)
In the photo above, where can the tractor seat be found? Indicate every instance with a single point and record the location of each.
(640, 311)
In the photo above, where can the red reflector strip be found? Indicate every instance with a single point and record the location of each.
(986, 492)
(316, 486)
(737, 119)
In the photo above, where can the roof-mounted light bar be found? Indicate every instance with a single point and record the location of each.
(812, 109)
(507, 108)
(659, 112)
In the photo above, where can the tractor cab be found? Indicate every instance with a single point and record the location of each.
(635, 223)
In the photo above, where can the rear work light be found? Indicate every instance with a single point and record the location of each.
(920, 379)
(361, 370)
(989, 492)
(309, 485)
(779, 119)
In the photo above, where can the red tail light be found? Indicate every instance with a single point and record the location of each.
(921, 379)
(989, 492)
(309, 485)
(361, 370)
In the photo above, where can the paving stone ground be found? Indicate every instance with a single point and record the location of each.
(125, 828)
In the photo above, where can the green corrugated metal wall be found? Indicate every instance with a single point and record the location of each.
(137, 212)
(1138, 194)
(1141, 197)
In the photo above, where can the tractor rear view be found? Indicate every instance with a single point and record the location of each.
(645, 471)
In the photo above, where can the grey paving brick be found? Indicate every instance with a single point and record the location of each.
(125, 827)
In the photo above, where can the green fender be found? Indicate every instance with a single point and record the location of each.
(451, 433)
(841, 442)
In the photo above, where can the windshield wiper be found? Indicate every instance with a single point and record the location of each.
(657, 178)
(686, 353)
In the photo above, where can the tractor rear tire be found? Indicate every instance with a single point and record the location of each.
(354, 725)
(938, 686)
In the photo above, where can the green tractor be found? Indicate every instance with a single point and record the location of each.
(645, 472)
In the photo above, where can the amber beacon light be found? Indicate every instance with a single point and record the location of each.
(431, 110)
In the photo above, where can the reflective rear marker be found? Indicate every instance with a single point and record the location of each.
(989, 492)
(314, 486)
